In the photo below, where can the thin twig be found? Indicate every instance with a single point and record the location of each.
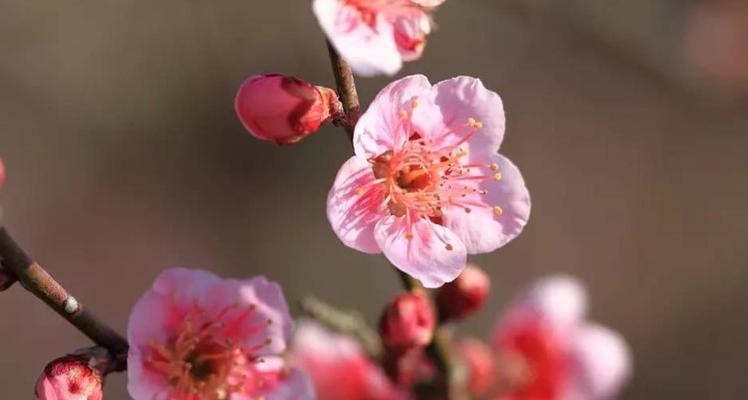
(39, 282)
(437, 349)
(346, 86)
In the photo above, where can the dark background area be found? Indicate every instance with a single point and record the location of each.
(124, 157)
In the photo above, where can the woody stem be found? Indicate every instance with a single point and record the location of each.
(39, 282)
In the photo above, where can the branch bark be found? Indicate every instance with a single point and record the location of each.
(38, 281)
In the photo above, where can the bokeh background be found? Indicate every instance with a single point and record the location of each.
(629, 120)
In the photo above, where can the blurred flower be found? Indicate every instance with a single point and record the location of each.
(547, 350)
(478, 358)
(716, 42)
(465, 295)
(339, 367)
(407, 323)
(283, 109)
(70, 378)
(2, 173)
(425, 185)
(376, 36)
(194, 336)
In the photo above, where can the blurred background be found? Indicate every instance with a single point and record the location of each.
(628, 119)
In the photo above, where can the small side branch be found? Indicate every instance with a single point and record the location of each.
(38, 281)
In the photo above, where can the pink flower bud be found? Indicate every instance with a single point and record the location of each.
(479, 361)
(283, 109)
(465, 295)
(407, 323)
(70, 378)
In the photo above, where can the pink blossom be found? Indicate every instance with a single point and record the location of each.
(547, 350)
(283, 109)
(339, 367)
(70, 378)
(195, 336)
(376, 36)
(426, 185)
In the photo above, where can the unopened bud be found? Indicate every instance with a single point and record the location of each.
(70, 378)
(480, 365)
(407, 323)
(465, 295)
(283, 109)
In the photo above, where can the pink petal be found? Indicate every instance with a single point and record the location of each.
(380, 128)
(353, 215)
(601, 361)
(267, 317)
(295, 386)
(143, 384)
(183, 285)
(464, 97)
(434, 255)
(559, 302)
(369, 51)
(482, 229)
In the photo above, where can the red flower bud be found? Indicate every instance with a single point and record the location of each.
(479, 361)
(70, 378)
(465, 295)
(283, 109)
(407, 323)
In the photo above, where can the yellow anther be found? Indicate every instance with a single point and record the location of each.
(404, 114)
(414, 103)
(449, 247)
(409, 235)
(498, 210)
(360, 191)
(494, 167)
(497, 176)
(473, 123)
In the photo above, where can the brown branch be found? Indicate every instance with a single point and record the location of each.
(39, 282)
(346, 86)
(437, 349)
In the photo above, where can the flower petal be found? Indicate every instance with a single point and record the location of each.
(351, 213)
(369, 50)
(434, 254)
(462, 98)
(256, 304)
(484, 229)
(381, 127)
(601, 361)
(143, 384)
(559, 300)
(295, 386)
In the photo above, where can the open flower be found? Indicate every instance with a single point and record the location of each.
(547, 350)
(376, 36)
(426, 186)
(339, 367)
(194, 336)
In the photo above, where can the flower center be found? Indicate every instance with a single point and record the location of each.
(423, 175)
(206, 360)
